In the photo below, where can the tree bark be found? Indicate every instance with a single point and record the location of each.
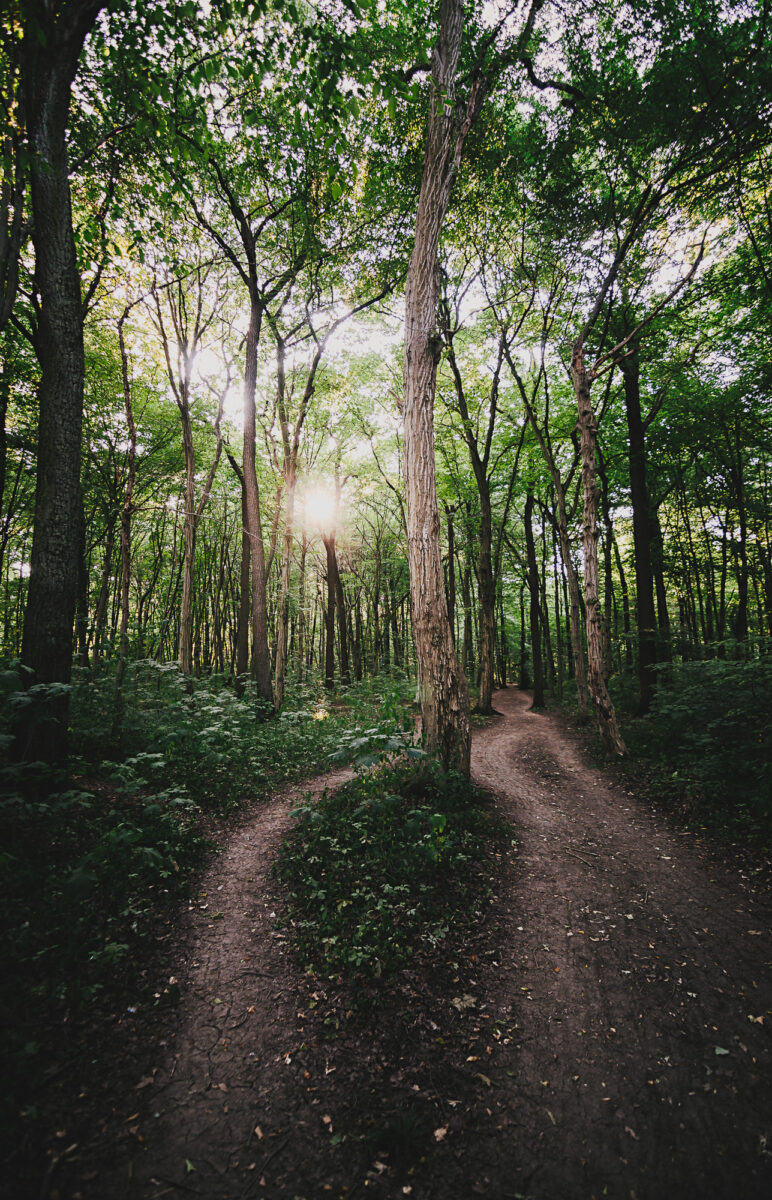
(441, 683)
(53, 40)
(588, 432)
(253, 524)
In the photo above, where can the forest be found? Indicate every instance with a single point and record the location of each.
(371, 372)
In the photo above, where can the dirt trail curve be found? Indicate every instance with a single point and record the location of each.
(602, 1037)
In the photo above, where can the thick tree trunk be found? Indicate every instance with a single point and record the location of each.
(601, 701)
(53, 39)
(441, 683)
(253, 525)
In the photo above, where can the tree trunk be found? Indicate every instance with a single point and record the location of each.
(487, 593)
(53, 39)
(185, 646)
(245, 600)
(588, 432)
(329, 615)
(441, 683)
(253, 524)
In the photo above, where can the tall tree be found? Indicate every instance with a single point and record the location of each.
(52, 41)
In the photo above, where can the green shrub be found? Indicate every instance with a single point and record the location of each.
(387, 863)
(709, 736)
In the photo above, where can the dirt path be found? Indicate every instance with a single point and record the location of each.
(640, 962)
(593, 1038)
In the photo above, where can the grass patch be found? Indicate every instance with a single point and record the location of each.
(387, 864)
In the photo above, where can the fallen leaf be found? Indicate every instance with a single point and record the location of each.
(632, 1133)
(756, 932)
(143, 1083)
(719, 1050)
(756, 1020)
(440, 1133)
(259, 1133)
(188, 1166)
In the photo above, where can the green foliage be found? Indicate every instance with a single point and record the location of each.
(83, 873)
(383, 866)
(89, 864)
(202, 737)
(392, 732)
(710, 736)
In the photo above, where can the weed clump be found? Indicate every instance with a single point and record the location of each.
(389, 863)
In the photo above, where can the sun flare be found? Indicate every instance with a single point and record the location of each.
(321, 508)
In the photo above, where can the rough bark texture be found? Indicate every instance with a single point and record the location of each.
(52, 45)
(588, 431)
(442, 686)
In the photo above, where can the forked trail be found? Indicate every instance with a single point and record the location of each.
(606, 1032)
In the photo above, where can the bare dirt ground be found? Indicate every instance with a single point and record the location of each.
(604, 1031)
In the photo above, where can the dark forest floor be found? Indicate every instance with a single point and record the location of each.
(604, 1031)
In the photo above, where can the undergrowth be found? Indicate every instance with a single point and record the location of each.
(707, 746)
(90, 860)
(385, 865)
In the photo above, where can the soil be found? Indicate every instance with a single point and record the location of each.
(602, 1031)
